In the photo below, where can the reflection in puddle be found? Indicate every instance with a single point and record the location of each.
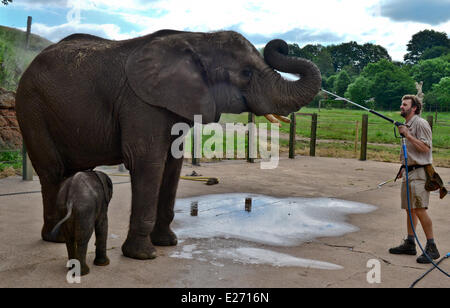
(271, 221)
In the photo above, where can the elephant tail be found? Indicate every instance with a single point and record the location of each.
(55, 230)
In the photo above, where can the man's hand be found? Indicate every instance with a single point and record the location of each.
(418, 144)
(404, 130)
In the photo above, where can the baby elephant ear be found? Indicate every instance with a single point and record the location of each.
(166, 72)
(107, 185)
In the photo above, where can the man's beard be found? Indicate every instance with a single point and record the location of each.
(405, 113)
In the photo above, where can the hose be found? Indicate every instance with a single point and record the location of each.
(405, 155)
(427, 272)
(208, 180)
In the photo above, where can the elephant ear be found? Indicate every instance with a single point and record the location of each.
(167, 72)
(107, 185)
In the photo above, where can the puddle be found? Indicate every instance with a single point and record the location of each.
(271, 221)
(249, 255)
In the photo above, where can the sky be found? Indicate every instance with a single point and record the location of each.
(389, 23)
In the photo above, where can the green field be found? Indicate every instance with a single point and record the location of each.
(339, 126)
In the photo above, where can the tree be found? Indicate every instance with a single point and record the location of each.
(423, 40)
(329, 83)
(341, 83)
(430, 72)
(320, 56)
(315, 53)
(390, 86)
(343, 54)
(435, 52)
(295, 50)
(356, 55)
(374, 68)
(325, 63)
(441, 92)
(388, 83)
(5, 2)
(359, 90)
(373, 53)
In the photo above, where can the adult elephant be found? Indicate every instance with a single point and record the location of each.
(87, 101)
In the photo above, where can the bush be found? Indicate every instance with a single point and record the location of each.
(10, 159)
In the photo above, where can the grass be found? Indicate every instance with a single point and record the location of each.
(338, 128)
(340, 124)
(10, 163)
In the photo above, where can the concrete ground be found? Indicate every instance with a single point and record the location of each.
(27, 261)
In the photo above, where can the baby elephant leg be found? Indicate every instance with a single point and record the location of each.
(81, 251)
(78, 251)
(101, 235)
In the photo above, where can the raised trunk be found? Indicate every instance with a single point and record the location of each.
(289, 96)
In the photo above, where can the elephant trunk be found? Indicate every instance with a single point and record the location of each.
(289, 96)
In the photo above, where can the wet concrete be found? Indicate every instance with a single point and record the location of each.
(25, 260)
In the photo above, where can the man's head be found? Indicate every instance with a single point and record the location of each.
(410, 104)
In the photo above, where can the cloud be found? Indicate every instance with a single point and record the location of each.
(36, 3)
(433, 12)
(296, 35)
(320, 21)
(56, 33)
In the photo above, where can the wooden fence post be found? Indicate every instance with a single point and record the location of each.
(364, 128)
(251, 140)
(27, 37)
(27, 168)
(356, 136)
(312, 143)
(292, 133)
(430, 121)
(196, 144)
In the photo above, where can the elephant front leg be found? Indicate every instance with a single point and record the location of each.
(146, 178)
(162, 235)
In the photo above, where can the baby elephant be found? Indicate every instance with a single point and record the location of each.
(83, 201)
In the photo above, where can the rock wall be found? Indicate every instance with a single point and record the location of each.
(10, 137)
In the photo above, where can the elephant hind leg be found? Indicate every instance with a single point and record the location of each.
(77, 251)
(47, 163)
(101, 236)
(80, 252)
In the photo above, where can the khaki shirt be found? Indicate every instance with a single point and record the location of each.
(421, 130)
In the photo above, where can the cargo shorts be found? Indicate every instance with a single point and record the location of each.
(418, 196)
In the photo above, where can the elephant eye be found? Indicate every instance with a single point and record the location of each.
(247, 73)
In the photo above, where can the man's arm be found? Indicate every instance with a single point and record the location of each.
(418, 144)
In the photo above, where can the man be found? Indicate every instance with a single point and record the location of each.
(418, 136)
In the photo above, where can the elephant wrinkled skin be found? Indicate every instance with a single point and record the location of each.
(87, 101)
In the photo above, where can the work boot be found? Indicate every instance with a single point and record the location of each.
(407, 248)
(432, 251)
